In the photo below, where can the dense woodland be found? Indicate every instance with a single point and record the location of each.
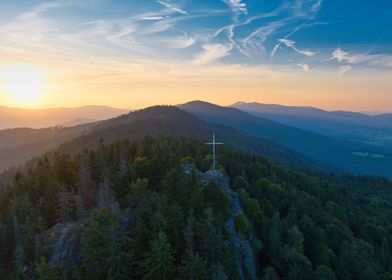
(143, 217)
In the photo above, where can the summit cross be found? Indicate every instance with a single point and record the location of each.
(213, 144)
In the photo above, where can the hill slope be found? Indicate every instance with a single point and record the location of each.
(374, 129)
(19, 145)
(151, 209)
(169, 120)
(347, 155)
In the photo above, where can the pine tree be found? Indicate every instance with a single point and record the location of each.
(104, 252)
(296, 239)
(158, 262)
(137, 192)
(275, 242)
(189, 233)
(324, 273)
(66, 205)
(85, 185)
(211, 243)
(19, 254)
(48, 189)
(217, 272)
(47, 271)
(105, 197)
(120, 259)
(270, 273)
(194, 267)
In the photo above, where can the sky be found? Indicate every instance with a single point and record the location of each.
(332, 54)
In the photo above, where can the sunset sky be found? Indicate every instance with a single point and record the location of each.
(333, 54)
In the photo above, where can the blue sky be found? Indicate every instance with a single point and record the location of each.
(199, 38)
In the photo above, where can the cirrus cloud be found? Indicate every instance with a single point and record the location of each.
(212, 52)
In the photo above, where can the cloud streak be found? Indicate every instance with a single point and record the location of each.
(304, 67)
(212, 52)
(344, 69)
(237, 6)
(343, 56)
(306, 9)
(181, 42)
(286, 41)
(166, 34)
(291, 44)
(172, 7)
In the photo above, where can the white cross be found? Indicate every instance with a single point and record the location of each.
(213, 144)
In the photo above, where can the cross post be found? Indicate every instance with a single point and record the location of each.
(213, 144)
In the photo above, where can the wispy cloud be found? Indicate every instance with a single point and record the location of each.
(344, 69)
(172, 7)
(40, 9)
(237, 5)
(379, 60)
(165, 32)
(254, 43)
(291, 44)
(123, 36)
(343, 56)
(304, 67)
(31, 25)
(317, 6)
(181, 42)
(212, 52)
(384, 60)
(153, 18)
(306, 9)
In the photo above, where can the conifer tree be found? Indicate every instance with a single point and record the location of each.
(105, 197)
(85, 185)
(158, 262)
(104, 252)
(47, 271)
(193, 267)
(66, 205)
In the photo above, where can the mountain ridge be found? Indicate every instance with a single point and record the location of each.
(153, 121)
(342, 153)
(359, 127)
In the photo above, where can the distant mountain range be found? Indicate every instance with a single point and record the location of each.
(42, 118)
(170, 120)
(295, 145)
(18, 145)
(346, 155)
(371, 129)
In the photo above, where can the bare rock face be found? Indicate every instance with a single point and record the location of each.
(61, 244)
(245, 255)
(218, 178)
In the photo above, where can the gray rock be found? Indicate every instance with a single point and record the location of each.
(61, 244)
(244, 252)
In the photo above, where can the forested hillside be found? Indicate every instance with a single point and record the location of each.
(19, 145)
(353, 156)
(150, 210)
(370, 129)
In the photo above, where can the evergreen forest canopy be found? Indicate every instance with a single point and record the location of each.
(149, 210)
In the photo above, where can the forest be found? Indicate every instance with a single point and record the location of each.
(148, 209)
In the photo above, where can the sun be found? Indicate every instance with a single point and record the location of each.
(23, 83)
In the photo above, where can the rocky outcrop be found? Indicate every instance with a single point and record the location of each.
(61, 244)
(245, 254)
